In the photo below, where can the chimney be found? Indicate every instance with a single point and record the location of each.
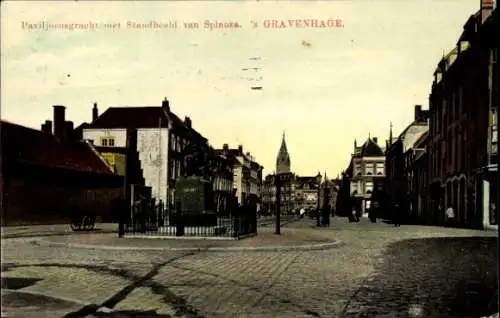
(68, 130)
(240, 149)
(425, 114)
(486, 9)
(418, 112)
(59, 119)
(165, 105)
(225, 147)
(187, 121)
(47, 127)
(95, 112)
(375, 140)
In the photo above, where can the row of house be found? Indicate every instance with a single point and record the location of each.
(148, 146)
(299, 192)
(448, 156)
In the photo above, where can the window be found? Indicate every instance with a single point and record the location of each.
(107, 141)
(171, 169)
(172, 141)
(460, 100)
(369, 187)
(179, 144)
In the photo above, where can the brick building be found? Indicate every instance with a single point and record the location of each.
(46, 173)
(462, 170)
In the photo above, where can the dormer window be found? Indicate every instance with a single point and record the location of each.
(107, 141)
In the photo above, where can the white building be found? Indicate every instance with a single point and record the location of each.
(161, 138)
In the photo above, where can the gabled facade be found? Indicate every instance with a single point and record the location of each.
(366, 172)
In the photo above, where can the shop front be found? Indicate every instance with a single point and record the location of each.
(486, 189)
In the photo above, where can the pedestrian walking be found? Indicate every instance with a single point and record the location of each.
(352, 217)
(302, 212)
(450, 216)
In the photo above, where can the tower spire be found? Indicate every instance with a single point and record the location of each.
(283, 159)
(390, 133)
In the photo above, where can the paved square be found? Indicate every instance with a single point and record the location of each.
(379, 271)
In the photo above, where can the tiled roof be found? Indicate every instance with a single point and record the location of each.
(371, 149)
(139, 117)
(421, 140)
(132, 117)
(302, 181)
(23, 144)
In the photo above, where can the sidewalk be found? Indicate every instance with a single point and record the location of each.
(54, 229)
(264, 240)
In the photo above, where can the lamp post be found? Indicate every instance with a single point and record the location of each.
(281, 179)
(496, 70)
(278, 203)
(318, 180)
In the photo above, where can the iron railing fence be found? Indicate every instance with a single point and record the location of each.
(157, 221)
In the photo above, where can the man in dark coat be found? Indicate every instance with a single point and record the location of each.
(397, 215)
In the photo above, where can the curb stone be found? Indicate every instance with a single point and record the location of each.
(33, 293)
(305, 247)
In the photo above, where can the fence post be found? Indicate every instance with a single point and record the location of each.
(179, 222)
(236, 222)
(122, 211)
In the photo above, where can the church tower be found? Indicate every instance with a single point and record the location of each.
(283, 160)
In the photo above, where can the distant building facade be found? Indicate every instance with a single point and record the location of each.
(399, 157)
(416, 168)
(247, 175)
(306, 192)
(366, 172)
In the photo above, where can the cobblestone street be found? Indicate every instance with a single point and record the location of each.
(378, 271)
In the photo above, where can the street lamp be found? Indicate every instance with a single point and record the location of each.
(280, 180)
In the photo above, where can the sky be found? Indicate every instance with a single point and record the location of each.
(324, 87)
